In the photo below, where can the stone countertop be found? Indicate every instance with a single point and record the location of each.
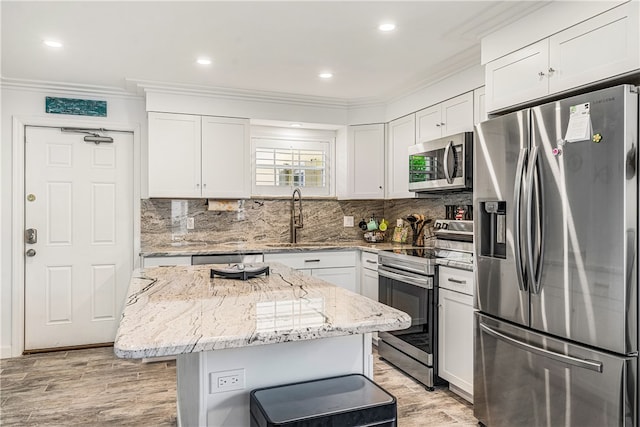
(175, 310)
(211, 248)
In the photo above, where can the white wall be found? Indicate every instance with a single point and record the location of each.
(28, 104)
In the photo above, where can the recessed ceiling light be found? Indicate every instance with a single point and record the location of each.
(387, 27)
(295, 125)
(203, 61)
(325, 75)
(52, 43)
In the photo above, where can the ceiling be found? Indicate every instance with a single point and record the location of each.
(263, 46)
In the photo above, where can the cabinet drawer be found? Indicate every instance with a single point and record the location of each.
(310, 259)
(455, 280)
(159, 261)
(369, 260)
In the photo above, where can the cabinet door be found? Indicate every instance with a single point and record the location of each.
(518, 77)
(225, 158)
(174, 155)
(401, 134)
(457, 114)
(599, 48)
(344, 277)
(369, 286)
(455, 339)
(365, 173)
(479, 107)
(429, 124)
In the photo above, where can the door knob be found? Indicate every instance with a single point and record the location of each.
(31, 252)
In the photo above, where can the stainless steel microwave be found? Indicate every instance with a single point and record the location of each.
(442, 164)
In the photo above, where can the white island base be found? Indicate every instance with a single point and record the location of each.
(201, 403)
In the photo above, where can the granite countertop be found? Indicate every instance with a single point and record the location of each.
(175, 310)
(186, 248)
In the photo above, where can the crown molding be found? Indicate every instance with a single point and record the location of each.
(454, 65)
(236, 94)
(66, 88)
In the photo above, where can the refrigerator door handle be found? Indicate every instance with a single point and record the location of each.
(517, 238)
(533, 273)
(592, 365)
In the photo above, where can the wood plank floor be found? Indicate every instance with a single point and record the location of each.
(93, 388)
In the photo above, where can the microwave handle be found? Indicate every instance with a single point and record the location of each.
(447, 152)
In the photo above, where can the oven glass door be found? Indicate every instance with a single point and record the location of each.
(441, 166)
(415, 300)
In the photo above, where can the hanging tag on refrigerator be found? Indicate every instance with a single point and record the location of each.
(579, 128)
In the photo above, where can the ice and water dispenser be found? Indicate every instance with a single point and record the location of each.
(493, 229)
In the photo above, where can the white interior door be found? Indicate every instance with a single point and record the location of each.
(79, 198)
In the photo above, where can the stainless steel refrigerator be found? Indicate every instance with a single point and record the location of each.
(556, 218)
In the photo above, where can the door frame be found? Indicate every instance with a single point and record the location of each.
(19, 125)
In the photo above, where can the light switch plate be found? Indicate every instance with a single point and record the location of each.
(191, 223)
(348, 221)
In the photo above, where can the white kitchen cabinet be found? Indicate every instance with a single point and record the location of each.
(369, 279)
(452, 116)
(365, 170)
(174, 155)
(198, 156)
(455, 330)
(165, 261)
(401, 133)
(336, 267)
(226, 169)
(479, 107)
(599, 48)
(369, 275)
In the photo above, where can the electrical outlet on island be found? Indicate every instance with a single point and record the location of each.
(191, 223)
(348, 221)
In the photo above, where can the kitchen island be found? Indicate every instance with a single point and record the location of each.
(232, 336)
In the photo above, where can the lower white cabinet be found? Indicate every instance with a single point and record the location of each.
(369, 279)
(165, 261)
(369, 275)
(337, 268)
(455, 331)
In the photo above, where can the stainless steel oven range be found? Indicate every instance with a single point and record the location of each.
(406, 282)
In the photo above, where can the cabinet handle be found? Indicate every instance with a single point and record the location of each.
(197, 185)
(442, 124)
(437, 124)
(541, 74)
(460, 282)
(551, 70)
(371, 262)
(311, 260)
(380, 187)
(204, 185)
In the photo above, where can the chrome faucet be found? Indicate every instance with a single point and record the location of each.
(296, 220)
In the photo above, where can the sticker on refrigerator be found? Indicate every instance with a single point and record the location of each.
(579, 128)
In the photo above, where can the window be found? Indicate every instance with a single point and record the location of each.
(281, 164)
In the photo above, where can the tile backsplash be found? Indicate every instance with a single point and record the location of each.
(267, 220)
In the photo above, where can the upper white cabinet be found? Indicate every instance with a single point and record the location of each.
(226, 169)
(174, 155)
(479, 106)
(365, 169)
(602, 47)
(452, 116)
(401, 133)
(198, 156)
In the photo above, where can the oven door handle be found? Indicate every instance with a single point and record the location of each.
(423, 283)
